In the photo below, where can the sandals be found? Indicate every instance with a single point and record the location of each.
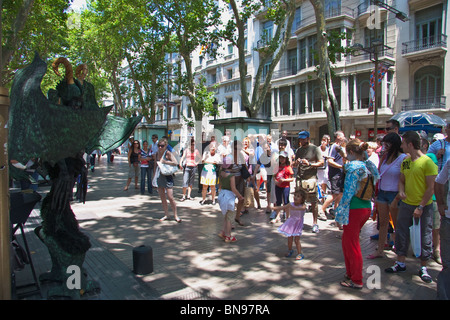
(202, 202)
(374, 256)
(289, 254)
(178, 220)
(239, 222)
(164, 218)
(183, 199)
(300, 256)
(230, 239)
(350, 284)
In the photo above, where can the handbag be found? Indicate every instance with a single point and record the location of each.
(244, 172)
(309, 185)
(415, 237)
(167, 169)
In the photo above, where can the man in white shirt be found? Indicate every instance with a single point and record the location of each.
(442, 199)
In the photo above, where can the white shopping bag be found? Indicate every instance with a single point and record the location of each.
(414, 233)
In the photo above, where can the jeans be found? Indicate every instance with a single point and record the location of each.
(146, 171)
(404, 221)
(282, 195)
(443, 279)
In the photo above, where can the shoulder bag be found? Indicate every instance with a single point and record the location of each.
(167, 169)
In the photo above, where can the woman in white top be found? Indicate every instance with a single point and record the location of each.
(387, 198)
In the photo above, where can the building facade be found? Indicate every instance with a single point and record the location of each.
(412, 53)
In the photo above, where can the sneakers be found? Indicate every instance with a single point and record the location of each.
(423, 273)
(315, 228)
(396, 268)
(322, 216)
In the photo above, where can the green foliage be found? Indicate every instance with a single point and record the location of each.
(30, 26)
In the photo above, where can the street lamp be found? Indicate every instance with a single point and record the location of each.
(374, 50)
(398, 14)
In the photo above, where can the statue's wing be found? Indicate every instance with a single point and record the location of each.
(114, 133)
(39, 128)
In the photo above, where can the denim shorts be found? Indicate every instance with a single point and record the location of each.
(386, 196)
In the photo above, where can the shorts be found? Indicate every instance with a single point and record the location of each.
(386, 196)
(322, 176)
(163, 181)
(230, 215)
(336, 184)
(436, 216)
(189, 176)
(134, 171)
(261, 174)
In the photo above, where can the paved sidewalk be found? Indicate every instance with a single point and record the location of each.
(192, 263)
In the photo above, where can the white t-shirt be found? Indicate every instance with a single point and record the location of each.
(442, 178)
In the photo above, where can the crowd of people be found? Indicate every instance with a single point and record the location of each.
(396, 180)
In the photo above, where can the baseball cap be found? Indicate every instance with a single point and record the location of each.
(283, 154)
(438, 136)
(303, 134)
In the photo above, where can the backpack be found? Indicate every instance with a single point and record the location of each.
(367, 189)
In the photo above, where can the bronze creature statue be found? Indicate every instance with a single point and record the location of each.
(58, 130)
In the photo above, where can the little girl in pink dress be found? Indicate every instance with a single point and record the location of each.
(293, 226)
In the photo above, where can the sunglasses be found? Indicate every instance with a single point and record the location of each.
(161, 145)
(389, 128)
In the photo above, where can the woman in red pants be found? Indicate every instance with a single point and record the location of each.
(355, 207)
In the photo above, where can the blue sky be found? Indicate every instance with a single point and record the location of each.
(76, 5)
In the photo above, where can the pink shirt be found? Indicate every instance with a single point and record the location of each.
(191, 156)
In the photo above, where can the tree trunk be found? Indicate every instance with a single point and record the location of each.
(259, 91)
(137, 86)
(329, 100)
(116, 91)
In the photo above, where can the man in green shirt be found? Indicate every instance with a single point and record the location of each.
(416, 188)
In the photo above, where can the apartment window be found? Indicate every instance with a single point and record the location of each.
(267, 31)
(363, 87)
(314, 97)
(332, 8)
(229, 107)
(230, 49)
(285, 97)
(266, 70)
(229, 74)
(312, 47)
(429, 25)
(370, 35)
(292, 61)
(428, 84)
(298, 19)
(302, 51)
(302, 105)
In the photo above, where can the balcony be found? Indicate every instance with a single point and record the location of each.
(331, 13)
(284, 73)
(424, 103)
(421, 48)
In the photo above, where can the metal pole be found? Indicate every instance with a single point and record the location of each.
(5, 226)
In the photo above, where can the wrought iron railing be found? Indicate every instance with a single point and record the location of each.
(432, 102)
(438, 41)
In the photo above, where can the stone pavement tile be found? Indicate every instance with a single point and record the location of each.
(191, 262)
